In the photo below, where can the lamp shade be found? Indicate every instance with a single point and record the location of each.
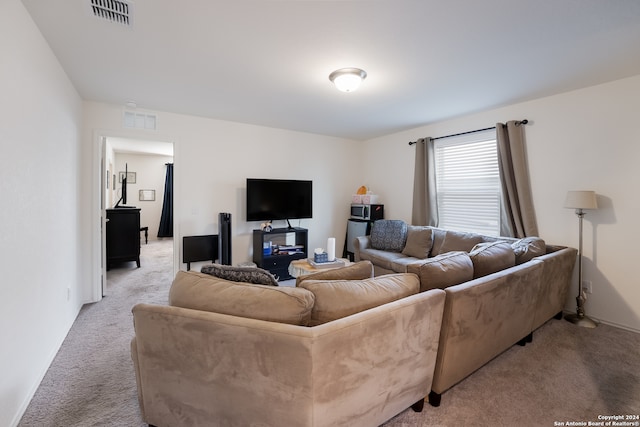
(581, 200)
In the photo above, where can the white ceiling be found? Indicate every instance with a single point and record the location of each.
(267, 62)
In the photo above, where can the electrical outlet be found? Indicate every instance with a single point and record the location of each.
(586, 286)
(68, 294)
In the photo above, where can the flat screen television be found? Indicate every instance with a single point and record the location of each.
(123, 194)
(278, 199)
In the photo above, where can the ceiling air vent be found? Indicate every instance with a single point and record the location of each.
(137, 120)
(117, 11)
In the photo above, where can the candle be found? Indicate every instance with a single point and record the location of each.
(331, 248)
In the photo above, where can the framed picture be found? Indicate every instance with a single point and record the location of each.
(114, 181)
(131, 177)
(108, 180)
(147, 195)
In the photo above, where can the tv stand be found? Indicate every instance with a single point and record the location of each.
(277, 262)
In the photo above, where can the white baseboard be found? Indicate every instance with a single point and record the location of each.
(606, 322)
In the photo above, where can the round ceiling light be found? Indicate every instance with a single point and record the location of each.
(347, 79)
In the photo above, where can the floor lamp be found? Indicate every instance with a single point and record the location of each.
(580, 200)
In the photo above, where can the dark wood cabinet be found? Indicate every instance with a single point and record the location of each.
(284, 245)
(123, 235)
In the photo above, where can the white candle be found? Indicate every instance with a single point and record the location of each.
(331, 248)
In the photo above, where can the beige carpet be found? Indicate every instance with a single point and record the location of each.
(567, 374)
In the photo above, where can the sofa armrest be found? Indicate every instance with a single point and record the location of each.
(361, 242)
(559, 263)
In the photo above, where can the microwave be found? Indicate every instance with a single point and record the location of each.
(367, 212)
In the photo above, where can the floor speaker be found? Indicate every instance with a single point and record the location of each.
(224, 238)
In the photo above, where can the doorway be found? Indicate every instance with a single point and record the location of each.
(138, 166)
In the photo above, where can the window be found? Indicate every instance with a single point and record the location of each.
(468, 190)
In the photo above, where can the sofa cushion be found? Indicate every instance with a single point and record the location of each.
(254, 275)
(458, 241)
(442, 271)
(380, 258)
(335, 299)
(389, 235)
(401, 264)
(438, 239)
(528, 248)
(419, 241)
(204, 292)
(490, 257)
(356, 271)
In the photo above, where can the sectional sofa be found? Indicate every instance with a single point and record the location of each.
(498, 290)
(352, 351)
(421, 310)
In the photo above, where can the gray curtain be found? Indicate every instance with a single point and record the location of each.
(166, 219)
(518, 216)
(425, 208)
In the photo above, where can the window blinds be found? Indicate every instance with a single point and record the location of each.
(468, 183)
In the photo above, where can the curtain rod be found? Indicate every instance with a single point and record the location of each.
(522, 122)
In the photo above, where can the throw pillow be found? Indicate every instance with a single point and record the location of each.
(335, 299)
(356, 271)
(490, 257)
(459, 241)
(528, 248)
(389, 235)
(419, 242)
(204, 292)
(253, 275)
(444, 270)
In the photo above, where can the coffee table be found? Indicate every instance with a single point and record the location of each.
(301, 267)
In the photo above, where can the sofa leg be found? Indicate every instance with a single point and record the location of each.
(418, 406)
(525, 340)
(558, 316)
(434, 398)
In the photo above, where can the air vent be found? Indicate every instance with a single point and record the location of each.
(117, 11)
(135, 120)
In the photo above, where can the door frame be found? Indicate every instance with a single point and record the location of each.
(98, 209)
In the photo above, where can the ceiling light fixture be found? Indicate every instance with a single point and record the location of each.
(347, 79)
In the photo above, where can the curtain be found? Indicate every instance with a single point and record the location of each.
(425, 208)
(518, 217)
(166, 219)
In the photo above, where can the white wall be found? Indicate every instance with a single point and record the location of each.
(150, 175)
(213, 158)
(49, 177)
(587, 139)
(40, 240)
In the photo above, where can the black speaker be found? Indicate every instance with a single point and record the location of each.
(224, 238)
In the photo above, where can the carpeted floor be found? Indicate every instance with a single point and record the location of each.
(567, 374)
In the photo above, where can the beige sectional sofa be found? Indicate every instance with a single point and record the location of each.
(498, 290)
(354, 351)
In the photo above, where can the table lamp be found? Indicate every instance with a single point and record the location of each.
(580, 200)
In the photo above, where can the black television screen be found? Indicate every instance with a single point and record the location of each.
(273, 199)
(123, 195)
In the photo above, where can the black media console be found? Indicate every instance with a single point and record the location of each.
(274, 250)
